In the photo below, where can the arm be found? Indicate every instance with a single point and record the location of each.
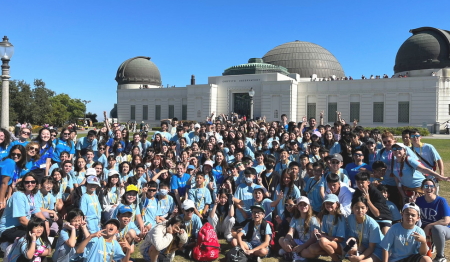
(385, 256)
(23, 221)
(3, 188)
(442, 222)
(48, 163)
(425, 170)
(367, 252)
(32, 249)
(279, 197)
(205, 210)
(321, 117)
(140, 222)
(177, 197)
(440, 165)
(263, 245)
(240, 242)
(73, 237)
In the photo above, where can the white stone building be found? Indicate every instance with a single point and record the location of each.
(289, 79)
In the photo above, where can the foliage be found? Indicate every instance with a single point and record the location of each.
(397, 131)
(40, 105)
(156, 128)
(92, 116)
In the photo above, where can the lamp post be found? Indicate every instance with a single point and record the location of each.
(85, 109)
(6, 52)
(251, 93)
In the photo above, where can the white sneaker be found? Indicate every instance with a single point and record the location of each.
(229, 238)
(258, 259)
(440, 259)
(281, 252)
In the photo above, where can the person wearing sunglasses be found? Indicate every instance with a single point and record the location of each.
(192, 223)
(11, 169)
(435, 216)
(63, 144)
(20, 208)
(34, 161)
(149, 205)
(409, 172)
(356, 166)
(24, 136)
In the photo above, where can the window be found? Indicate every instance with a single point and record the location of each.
(354, 111)
(311, 110)
(133, 113)
(184, 112)
(157, 112)
(171, 111)
(378, 112)
(332, 108)
(275, 114)
(145, 112)
(403, 112)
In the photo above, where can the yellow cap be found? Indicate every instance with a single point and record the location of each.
(132, 188)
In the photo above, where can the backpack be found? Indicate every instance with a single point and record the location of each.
(262, 231)
(236, 254)
(208, 247)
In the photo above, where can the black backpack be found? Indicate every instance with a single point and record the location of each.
(236, 254)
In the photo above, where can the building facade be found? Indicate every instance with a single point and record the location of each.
(301, 79)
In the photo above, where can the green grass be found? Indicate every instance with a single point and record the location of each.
(442, 146)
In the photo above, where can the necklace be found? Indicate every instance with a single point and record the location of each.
(360, 231)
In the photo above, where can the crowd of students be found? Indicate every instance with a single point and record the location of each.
(300, 190)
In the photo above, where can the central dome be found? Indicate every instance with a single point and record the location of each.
(305, 59)
(138, 70)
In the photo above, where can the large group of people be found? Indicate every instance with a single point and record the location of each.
(296, 190)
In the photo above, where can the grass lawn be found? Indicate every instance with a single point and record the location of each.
(442, 146)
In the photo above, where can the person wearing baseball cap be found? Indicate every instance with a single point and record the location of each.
(255, 235)
(127, 229)
(314, 156)
(192, 224)
(90, 204)
(335, 168)
(405, 241)
(303, 223)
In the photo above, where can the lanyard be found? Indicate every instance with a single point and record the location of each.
(95, 204)
(199, 203)
(47, 203)
(105, 251)
(189, 229)
(30, 198)
(123, 234)
(360, 232)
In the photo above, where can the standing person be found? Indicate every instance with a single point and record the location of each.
(178, 185)
(435, 216)
(90, 205)
(405, 241)
(63, 144)
(447, 128)
(46, 152)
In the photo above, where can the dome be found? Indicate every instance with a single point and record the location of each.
(427, 48)
(305, 59)
(138, 70)
(255, 66)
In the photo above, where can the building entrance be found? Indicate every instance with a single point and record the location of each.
(241, 104)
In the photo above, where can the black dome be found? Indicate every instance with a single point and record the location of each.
(427, 48)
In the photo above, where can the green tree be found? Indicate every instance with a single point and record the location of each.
(41, 103)
(20, 101)
(92, 116)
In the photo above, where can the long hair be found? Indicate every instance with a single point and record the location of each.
(309, 216)
(61, 136)
(37, 156)
(23, 159)
(21, 186)
(7, 140)
(291, 175)
(39, 138)
(329, 143)
(338, 214)
(37, 222)
(70, 216)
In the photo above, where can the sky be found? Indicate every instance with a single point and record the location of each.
(75, 47)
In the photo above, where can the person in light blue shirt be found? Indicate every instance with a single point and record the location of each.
(405, 241)
(427, 154)
(289, 190)
(149, 205)
(200, 195)
(180, 134)
(166, 205)
(90, 204)
(284, 161)
(312, 188)
(102, 246)
(63, 144)
(88, 142)
(192, 223)
(165, 136)
(244, 192)
(178, 183)
(100, 155)
(332, 235)
(365, 231)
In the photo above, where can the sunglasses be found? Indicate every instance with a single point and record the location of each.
(26, 133)
(415, 136)
(396, 148)
(257, 212)
(66, 134)
(152, 190)
(101, 148)
(289, 205)
(53, 135)
(15, 154)
(33, 148)
(190, 210)
(357, 154)
(335, 162)
(33, 182)
(428, 186)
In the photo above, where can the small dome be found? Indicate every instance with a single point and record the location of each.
(305, 59)
(254, 66)
(138, 70)
(427, 48)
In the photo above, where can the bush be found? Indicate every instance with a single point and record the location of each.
(156, 128)
(99, 125)
(35, 128)
(397, 131)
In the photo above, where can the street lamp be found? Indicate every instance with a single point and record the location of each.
(85, 109)
(6, 52)
(251, 93)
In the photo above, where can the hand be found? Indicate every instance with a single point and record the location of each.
(217, 200)
(298, 249)
(418, 237)
(321, 114)
(354, 258)
(280, 194)
(144, 189)
(33, 236)
(366, 195)
(248, 252)
(97, 234)
(83, 222)
(125, 245)
(69, 226)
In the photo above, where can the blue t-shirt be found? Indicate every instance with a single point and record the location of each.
(433, 211)
(396, 216)
(22, 248)
(257, 239)
(62, 146)
(429, 153)
(331, 229)
(19, 205)
(201, 197)
(343, 176)
(17, 142)
(4, 151)
(148, 208)
(47, 202)
(266, 203)
(400, 243)
(294, 193)
(369, 230)
(95, 249)
(111, 142)
(84, 143)
(92, 209)
(167, 135)
(411, 177)
(165, 207)
(179, 183)
(312, 189)
(353, 169)
(217, 172)
(299, 225)
(192, 226)
(244, 193)
(61, 246)
(9, 168)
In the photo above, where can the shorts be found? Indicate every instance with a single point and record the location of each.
(384, 224)
(250, 247)
(412, 258)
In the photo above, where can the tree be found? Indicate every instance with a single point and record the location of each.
(92, 116)
(41, 103)
(73, 107)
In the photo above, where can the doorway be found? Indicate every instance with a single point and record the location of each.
(241, 104)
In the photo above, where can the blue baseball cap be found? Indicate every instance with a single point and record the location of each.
(331, 198)
(125, 209)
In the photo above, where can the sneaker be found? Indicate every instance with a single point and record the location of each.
(440, 259)
(281, 252)
(229, 238)
(258, 259)
(4, 246)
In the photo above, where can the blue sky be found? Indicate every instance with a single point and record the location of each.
(77, 46)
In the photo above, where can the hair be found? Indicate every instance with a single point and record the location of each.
(291, 175)
(110, 185)
(55, 188)
(162, 184)
(362, 176)
(116, 147)
(76, 168)
(382, 188)
(333, 178)
(152, 184)
(69, 140)
(21, 187)
(427, 180)
(7, 140)
(387, 134)
(413, 131)
(141, 165)
(121, 166)
(309, 216)
(378, 164)
(38, 155)
(23, 159)
(71, 215)
(39, 139)
(37, 222)
(358, 199)
(338, 214)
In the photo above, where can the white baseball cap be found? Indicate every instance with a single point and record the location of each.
(91, 172)
(187, 204)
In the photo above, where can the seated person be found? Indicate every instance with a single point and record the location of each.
(149, 205)
(254, 243)
(166, 205)
(342, 191)
(192, 223)
(201, 196)
(128, 230)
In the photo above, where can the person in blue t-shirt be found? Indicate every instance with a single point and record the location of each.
(46, 152)
(128, 230)
(201, 196)
(5, 143)
(10, 170)
(90, 204)
(102, 246)
(88, 142)
(244, 193)
(435, 216)
(25, 134)
(178, 184)
(312, 188)
(396, 216)
(149, 205)
(250, 238)
(356, 166)
(192, 224)
(405, 241)
(63, 144)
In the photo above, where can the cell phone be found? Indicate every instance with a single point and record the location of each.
(349, 246)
